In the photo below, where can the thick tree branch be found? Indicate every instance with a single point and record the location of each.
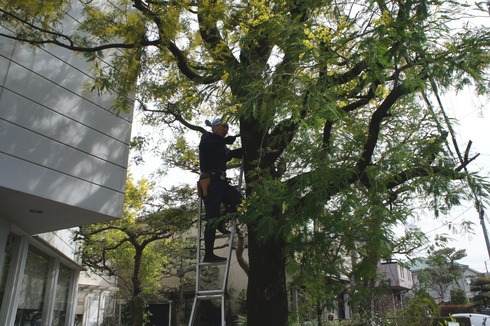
(375, 126)
(178, 117)
(327, 128)
(164, 234)
(419, 172)
(282, 135)
(185, 68)
(285, 69)
(345, 77)
(71, 46)
(240, 246)
(182, 61)
(210, 34)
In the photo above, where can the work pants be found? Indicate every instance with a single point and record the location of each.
(219, 192)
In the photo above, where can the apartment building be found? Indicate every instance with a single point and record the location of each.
(63, 163)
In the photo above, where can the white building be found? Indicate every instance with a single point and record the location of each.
(467, 274)
(95, 301)
(63, 162)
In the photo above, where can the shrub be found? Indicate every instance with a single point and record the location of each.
(458, 296)
(418, 311)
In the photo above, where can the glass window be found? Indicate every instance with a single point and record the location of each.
(33, 289)
(8, 259)
(63, 285)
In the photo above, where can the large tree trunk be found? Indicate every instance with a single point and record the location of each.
(267, 302)
(267, 296)
(138, 310)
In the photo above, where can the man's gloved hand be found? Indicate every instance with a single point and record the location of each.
(229, 139)
(236, 153)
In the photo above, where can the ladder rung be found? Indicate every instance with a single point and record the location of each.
(212, 263)
(210, 292)
(209, 297)
(218, 236)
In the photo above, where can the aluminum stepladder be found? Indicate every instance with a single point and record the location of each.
(213, 294)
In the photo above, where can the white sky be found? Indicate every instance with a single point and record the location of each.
(473, 114)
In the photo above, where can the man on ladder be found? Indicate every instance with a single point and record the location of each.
(214, 187)
(214, 190)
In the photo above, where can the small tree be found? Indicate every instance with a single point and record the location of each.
(443, 272)
(137, 247)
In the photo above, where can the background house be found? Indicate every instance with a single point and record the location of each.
(96, 301)
(399, 280)
(463, 282)
(63, 162)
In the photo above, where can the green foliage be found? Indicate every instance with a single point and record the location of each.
(419, 309)
(480, 286)
(127, 313)
(458, 296)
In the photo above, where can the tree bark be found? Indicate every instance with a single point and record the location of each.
(138, 308)
(266, 294)
(137, 311)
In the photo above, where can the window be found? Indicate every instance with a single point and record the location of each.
(33, 289)
(8, 259)
(63, 285)
(37, 285)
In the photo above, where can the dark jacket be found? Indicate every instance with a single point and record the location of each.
(213, 153)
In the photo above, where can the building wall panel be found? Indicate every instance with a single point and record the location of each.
(58, 128)
(62, 91)
(66, 160)
(54, 186)
(63, 150)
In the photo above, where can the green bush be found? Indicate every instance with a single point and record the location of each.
(418, 311)
(458, 296)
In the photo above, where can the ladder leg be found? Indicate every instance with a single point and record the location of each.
(223, 321)
(228, 254)
(193, 312)
(198, 265)
(211, 294)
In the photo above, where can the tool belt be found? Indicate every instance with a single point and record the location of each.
(205, 180)
(217, 175)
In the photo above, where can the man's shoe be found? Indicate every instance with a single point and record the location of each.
(213, 259)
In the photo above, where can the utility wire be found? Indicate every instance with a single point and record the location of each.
(453, 219)
(477, 202)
